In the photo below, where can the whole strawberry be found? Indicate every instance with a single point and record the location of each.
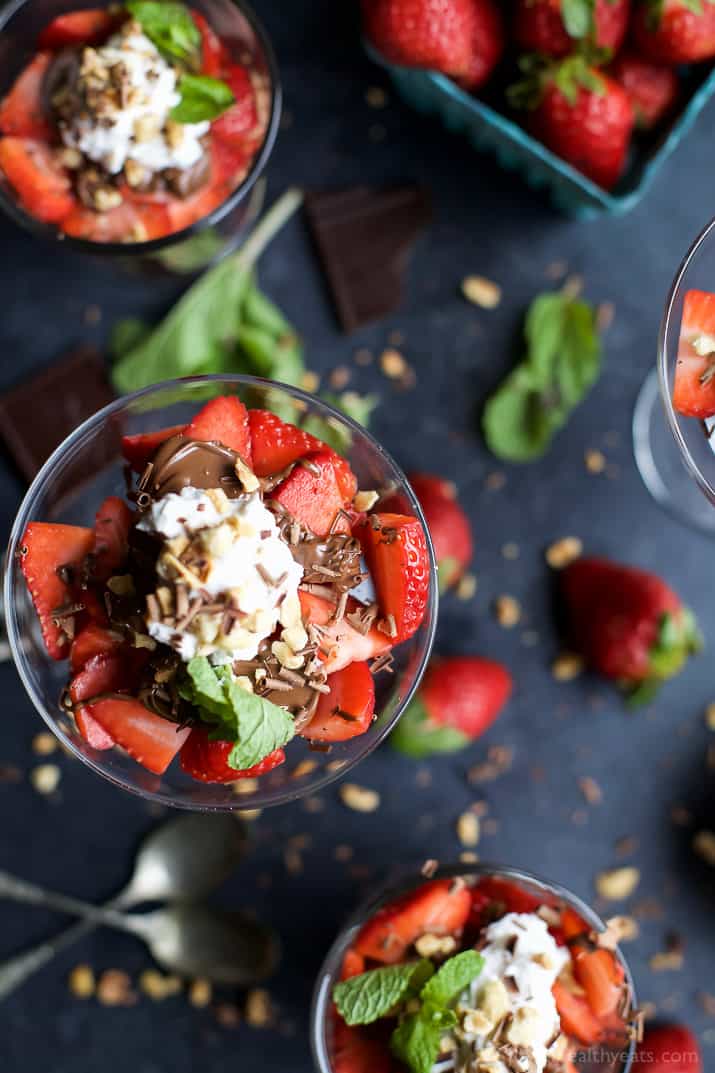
(627, 624)
(458, 700)
(669, 1049)
(551, 27)
(579, 113)
(460, 38)
(652, 88)
(675, 31)
(448, 525)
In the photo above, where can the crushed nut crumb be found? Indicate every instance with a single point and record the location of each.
(157, 986)
(44, 744)
(595, 461)
(508, 611)
(393, 364)
(466, 587)
(359, 798)
(259, 1012)
(481, 292)
(81, 981)
(616, 884)
(45, 778)
(704, 846)
(566, 667)
(563, 552)
(200, 992)
(468, 829)
(114, 988)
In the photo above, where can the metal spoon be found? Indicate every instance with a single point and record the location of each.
(183, 859)
(189, 939)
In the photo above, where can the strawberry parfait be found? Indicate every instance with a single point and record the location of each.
(477, 970)
(131, 123)
(244, 593)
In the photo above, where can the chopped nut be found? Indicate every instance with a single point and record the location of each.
(393, 364)
(481, 292)
(431, 946)
(228, 1015)
(45, 778)
(524, 1027)
(466, 587)
(343, 853)
(359, 798)
(105, 198)
(595, 461)
(508, 611)
(590, 790)
(667, 961)
(305, 767)
(258, 1012)
(376, 97)
(363, 356)
(494, 1001)
(365, 501)
(70, 158)
(710, 716)
(245, 786)
(566, 667)
(618, 883)
(468, 829)
(605, 313)
(429, 868)
(704, 846)
(134, 173)
(44, 744)
(200, 992)
(174, 133)
(114, 988)
(476, 1022)
(157, 986)
(563, 552)
(246, 476)
(468, 856)
(495, 481)
(81, 981)
(339, 377)
(619, 929)
(310, 381)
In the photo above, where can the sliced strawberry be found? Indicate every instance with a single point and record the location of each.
(106, 673)
(132, 221)
(93, 640)
(311, 494)
(241, 119)
(223, 420)
(572, 925)
(214, 55)
(507, 896)
(577, 1017)
(140, 449)
(152, 741)
(438, 908)
(229, 164)
(207, 760)
(343, 643)
(395, 550)
(183, 212)
(90, 27)
(92, 732)
(353, 965)
(347, 710)
(354, 1051)
(22, 110)
(111, 526)
(44, 549)
(276, 444)
(41, 184)
(601, 976)
(694, 391)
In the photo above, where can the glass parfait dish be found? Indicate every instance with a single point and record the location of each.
(213, 236)
(676, 456)
(89, 466)
(612, 1057)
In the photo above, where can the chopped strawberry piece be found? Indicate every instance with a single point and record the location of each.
(344, 644)
(111, 526)
(229, 164)
(276, 444)
(140, 449)
(577, 1017)
(513, 898)
(694, 391)
(311, 494)
(90, 27)
(133, 221)
(572, 924)
(396, 556)
(223, 420)
(40, 182)
(353, 965)
(104, 673)
(152, 741)
(214, 55)
(93, 640)
(183, 212)
(22, 110)
(438, 908)
(92, 732)
(601, 977)
(44, 549)
(347, 710)
(207, 760)
(354, 1051)
(241, 118)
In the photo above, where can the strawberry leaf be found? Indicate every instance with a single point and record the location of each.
(578, 17)
(417, 736)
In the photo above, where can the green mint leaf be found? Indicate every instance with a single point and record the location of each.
(417, 736)
(416, 1042)
(516, 424)
(126, 334)
(331, 431)
(578, 16)
(260, 312)
(358, 407)
(375, 994)
(169, 26)
(453, 977)
(206, 318)
(202, 98)
(207, 691)
(262, 727)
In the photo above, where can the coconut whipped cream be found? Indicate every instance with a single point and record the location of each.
(508, 1017)
(129, 91)
(230, 550)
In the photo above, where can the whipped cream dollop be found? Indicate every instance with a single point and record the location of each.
(130, 90)
(229, 549)
(510, 1004)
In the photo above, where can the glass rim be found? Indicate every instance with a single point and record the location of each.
(35, 491)
(394, 888)
(49, 232)
(662, 365)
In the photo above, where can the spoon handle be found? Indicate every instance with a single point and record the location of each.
(19, 890)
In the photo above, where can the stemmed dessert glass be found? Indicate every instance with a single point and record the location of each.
(606, 1059)
(665, 450)
(87, 467)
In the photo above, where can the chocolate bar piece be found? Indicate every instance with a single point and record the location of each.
(39, 413)
(364, 238)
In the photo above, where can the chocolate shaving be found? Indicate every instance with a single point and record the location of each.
(383, 663)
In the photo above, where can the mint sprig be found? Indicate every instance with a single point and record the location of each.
(202, 98)
(255, 725)
(563, 360)
(169, 26)
(363, 999)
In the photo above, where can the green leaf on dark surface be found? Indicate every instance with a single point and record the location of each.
(169, 26)
(202, 99)
(125, 334)
(417, 736)
(363, 999)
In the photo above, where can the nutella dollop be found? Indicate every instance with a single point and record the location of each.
(181, 462)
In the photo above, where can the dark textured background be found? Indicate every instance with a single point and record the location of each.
(486, 222)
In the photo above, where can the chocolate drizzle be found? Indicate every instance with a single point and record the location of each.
(181, 462)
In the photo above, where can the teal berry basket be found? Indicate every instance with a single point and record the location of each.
(570, 191)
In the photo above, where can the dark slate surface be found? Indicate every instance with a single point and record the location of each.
(486, 222)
